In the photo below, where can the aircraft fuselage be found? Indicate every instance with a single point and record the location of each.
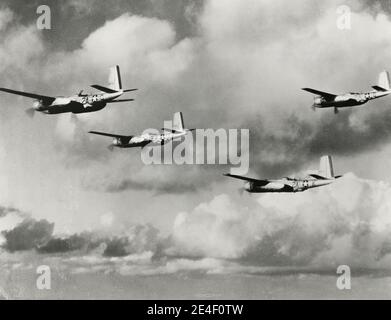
(348, 99)
(285, 185)
(77, 103)
(147, 138)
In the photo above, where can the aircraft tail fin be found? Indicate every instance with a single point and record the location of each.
(326, 169)
(115, 79)
(177, 123)
(384, 81)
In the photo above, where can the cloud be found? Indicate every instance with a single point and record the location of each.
(239, 70)
(140, 238)
(56, 245)
(9, 218)
(31, 234)
(243, 68)
(6, 16)
(244, 71)
(157, 179)
(28, 235)
(347, 222)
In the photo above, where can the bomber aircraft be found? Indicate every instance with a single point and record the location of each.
(80, 103)
(323, 177)
(329, 100)
(178, 130)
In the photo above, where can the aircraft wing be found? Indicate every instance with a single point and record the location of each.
(327, 95)
(259, 182)
(110, 135)
(46, 99)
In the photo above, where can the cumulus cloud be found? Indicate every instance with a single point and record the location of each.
(28, 235)
(31, 234)
(347, 222)
(6, 16)
(241, 69)
(155, 179)
(244, 70)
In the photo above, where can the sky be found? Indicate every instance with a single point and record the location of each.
(68, 202)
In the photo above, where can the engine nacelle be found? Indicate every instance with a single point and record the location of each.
(249, 186)
(37, 104)
(318, 100)
(117, 142)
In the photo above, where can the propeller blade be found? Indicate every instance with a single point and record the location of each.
(30, 112)
(313, 107)
(110, 147)
(336, 110)
(74, 117)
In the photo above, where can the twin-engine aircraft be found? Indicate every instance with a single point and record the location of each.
(323, 177)
(178, 130)
(329, 100)
(80, 103)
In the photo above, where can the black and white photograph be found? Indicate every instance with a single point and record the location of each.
(198, 150)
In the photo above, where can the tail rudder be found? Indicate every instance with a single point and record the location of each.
(326, 167)
(384, 80)
(115, 82)
(178, 123)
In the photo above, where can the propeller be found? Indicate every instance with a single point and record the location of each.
(110, 147)
(30, 112)
(313, 107)
(74, 117)
(336, 110)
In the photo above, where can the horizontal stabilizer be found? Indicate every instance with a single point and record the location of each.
(261, 182)
(128, 90)
(377, 88)
(171, 130)
(102, 88)
(318, 177)
(46, 99)
(326, 95)
(120, 100)
(110, 135)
